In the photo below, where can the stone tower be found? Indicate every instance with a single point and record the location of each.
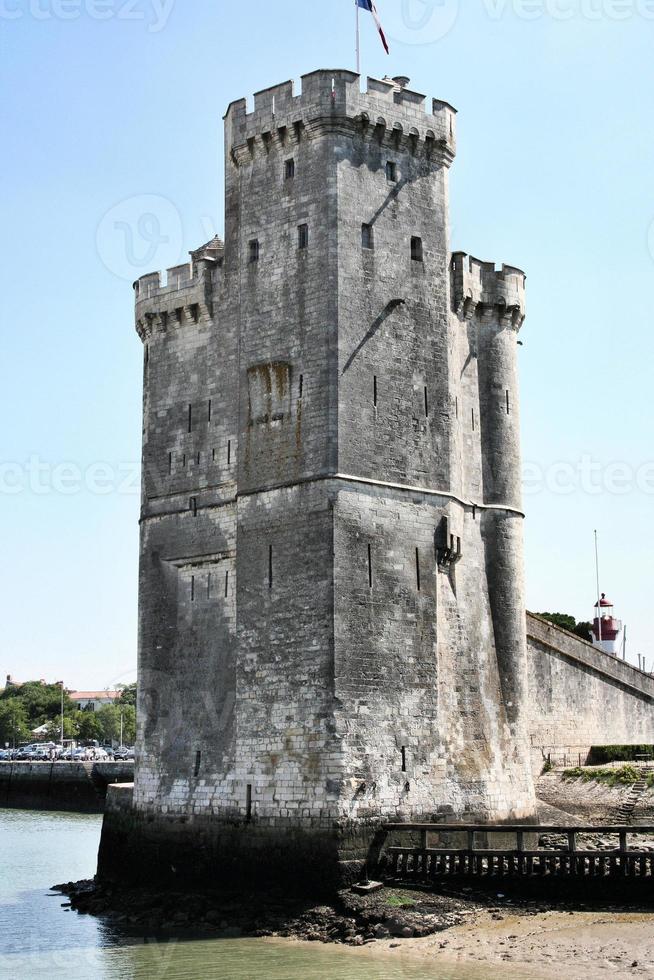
(332, 622)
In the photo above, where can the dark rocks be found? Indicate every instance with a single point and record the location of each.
(351, 919)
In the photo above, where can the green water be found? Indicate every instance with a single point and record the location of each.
(39, 938)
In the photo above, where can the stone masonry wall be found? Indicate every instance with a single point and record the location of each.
(580, 696)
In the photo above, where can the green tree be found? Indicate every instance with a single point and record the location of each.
(583, 630)
(53, 733)
(14, 723)
(569, 623)
(41, 702)
(128, 695)
(109, 720)
(89, 726)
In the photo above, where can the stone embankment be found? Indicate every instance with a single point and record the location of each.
(76, 786)
(596, 802)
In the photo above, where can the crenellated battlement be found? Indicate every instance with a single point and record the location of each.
(182, 294)
(387, 111)
(477, 284)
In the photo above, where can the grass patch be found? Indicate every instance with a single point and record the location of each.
(400, 901)
(618, 776)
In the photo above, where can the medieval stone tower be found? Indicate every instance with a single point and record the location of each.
(332, 625)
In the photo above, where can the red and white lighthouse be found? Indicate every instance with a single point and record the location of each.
(606, 628)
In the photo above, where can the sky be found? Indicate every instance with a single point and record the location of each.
(111, 117)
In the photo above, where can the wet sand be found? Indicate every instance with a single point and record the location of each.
(561, 945)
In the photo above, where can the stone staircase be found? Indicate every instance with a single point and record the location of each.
(632, 797)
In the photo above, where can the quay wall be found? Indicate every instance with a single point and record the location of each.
(76, 786)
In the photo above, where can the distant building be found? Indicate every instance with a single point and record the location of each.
(93, 700)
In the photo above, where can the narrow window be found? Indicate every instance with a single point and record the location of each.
(473, 420)
(301, 389)
(374, 391)
(229, 451)
(456, 406)
(270, 567)
(209, 411)
(404, 758)
(184, 460)
(391, 171)
(416, 249)
(198, 762)
(254, 250)
(474, 513)
(226, 583)
(370, 566)
(190, 418)
(302, 236)
(418, 568)
(193, 506)
(192, 588)
(289, 170)
(199, 458)
(508, 402)
(426, 403)
(367, 240)
(209, 585)
(170, 463)
(248, 803)
(213, 455)
(147, 354)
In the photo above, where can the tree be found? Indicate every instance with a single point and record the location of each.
(109, 721)
(53, 733)
(128, 695)
(570, 624)
(89, 726)
(41, 702)
(584, 630)
(14, 724)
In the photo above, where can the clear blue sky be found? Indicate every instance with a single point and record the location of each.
(108, 119)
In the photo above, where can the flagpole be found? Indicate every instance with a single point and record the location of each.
(358, 38)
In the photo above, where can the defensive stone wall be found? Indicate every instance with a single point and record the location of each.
(580, 696)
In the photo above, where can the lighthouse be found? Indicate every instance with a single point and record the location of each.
(606, 627)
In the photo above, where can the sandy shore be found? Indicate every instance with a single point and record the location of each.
(561, 945)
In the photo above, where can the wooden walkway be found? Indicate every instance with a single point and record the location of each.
(518, 858)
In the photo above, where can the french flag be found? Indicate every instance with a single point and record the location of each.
(371, 8)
